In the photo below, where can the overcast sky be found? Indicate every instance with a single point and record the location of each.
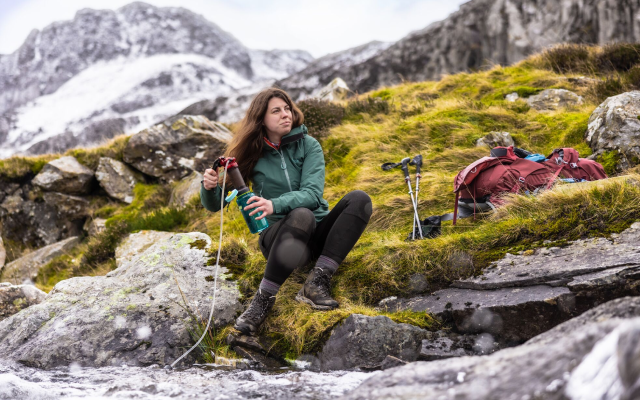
(318, 26)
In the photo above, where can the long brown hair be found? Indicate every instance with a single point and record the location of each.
(246, 145)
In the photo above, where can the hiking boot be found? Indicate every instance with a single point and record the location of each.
(315, 291)
(250, 320)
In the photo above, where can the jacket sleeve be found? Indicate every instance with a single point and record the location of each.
(210, 199)
(311, 183)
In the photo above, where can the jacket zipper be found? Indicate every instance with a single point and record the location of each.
(283, 165)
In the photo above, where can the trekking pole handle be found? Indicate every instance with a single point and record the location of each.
(405, 167)
(417, 161)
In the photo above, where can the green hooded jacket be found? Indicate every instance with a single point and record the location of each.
(292, 177)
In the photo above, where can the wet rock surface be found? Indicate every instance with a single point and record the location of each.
(185, 190)
(614, 127)
(553, 99)
(364, 342)
(136, 315)
(177, 146)
(26, 267)
(65, 175)
(117, 179)
(521, 296)
(14, 298)
(547, 367)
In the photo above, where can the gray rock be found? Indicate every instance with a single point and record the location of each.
(36, 223)
(494, 139)
(364, 342)
(68, 207)
(337, 89)
(536, 370)
(139, 314)
(174, 148)
(14, 298)
(65, 175)
(418, 284)
(614, 127)
(511, 315)
(555, 265)
(440, 345)
(137, 243)
(117, 179)
(26, 267)
(3, 253)
(185, 190)
(552, 99)
(391, 362)
(95, 226)
(512, 97)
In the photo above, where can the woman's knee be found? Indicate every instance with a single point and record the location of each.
(302, 218)
(360, 201)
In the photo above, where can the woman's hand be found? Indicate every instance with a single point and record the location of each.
(210, 179)
(260, 204)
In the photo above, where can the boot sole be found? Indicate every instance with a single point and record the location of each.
(302, 299)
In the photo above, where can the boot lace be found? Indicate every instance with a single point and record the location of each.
(259, 306)
(322, 280)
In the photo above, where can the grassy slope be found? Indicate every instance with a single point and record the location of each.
(440, 120)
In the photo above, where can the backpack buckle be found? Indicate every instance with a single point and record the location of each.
(573, 165)
(521, 179)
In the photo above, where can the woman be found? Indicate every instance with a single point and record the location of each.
(286, 169)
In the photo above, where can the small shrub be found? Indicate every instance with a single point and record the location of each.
(370, 105)
(633, 78)
(320, 116)
(619, 57)
(568, 58)
(102, 247)
(611, 86)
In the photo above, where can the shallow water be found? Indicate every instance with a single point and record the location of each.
(18, 382)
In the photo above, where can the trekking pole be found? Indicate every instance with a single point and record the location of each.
(417, 161)
(405, 170)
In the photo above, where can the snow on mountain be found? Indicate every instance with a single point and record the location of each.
(106, 72)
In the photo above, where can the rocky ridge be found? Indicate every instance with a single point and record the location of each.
(144, 63)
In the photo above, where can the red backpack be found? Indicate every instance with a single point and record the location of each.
(567, 161)
(480, 186)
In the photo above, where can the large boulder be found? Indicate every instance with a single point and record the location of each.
(583, 358)
(39, 219)
(65, 175)
(521, 296)
(26, 267)
(137, 243)
(177, 146)
(139, 314)
(553, 99)
(185, 190)
(364, 342)
(614, 127)
(14, 298)
(117, 179)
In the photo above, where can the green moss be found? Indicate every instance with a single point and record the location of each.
(609, 161)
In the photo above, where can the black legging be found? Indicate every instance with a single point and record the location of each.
(296, 239)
